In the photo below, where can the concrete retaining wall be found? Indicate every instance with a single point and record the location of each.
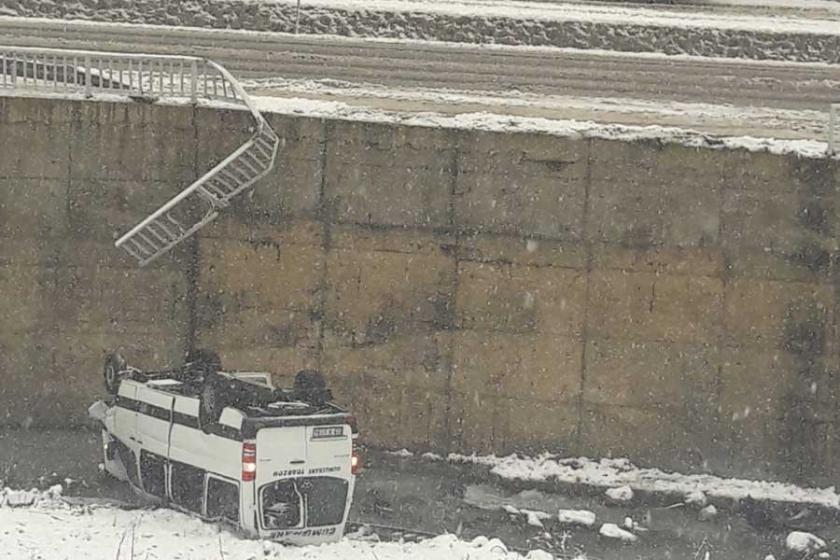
(72, 174)
(462, 290)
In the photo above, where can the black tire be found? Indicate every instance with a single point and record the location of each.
(311, 386)
(310, 380)
(201, 364)
(211, 402)
(114, 372)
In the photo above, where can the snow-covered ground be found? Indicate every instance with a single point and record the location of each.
(617, 473)
(513, 9)
(612, 27)
(591, 13)
(827, 5)
(52, 529)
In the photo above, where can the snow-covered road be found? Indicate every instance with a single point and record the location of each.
(723, 32)
(718, 96)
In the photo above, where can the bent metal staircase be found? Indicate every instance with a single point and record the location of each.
(150, 77)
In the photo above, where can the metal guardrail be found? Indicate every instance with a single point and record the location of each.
(152, 77)
(833, 132)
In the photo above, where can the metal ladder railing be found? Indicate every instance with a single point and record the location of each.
(151, 76)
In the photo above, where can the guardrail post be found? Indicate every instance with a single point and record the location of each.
(194, 81)
(87, 76)
(297, 17)
(832, 126)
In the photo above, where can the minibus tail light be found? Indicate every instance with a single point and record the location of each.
(249, 461)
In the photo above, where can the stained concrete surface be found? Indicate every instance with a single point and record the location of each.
(493, 292)
(433, 497)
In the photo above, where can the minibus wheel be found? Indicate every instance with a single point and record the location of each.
(310, 380)
(311, 385)
(211, 402)
(201, 364)
(113, 372)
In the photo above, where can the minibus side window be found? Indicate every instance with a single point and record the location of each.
(129, 461)
(222, 499)
(187, 486)
(153, 473)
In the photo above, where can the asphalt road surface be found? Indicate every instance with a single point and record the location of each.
(794, 98)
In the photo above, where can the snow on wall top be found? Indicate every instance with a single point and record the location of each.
(492, 122)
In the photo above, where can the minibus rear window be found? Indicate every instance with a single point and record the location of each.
(326, 498)
(323, 498)
(281, 503)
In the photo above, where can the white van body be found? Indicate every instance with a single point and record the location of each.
(275, 472)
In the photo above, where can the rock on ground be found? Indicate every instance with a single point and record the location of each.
(613, 531)
(622, 494)
(799, 541)
(576, 517)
